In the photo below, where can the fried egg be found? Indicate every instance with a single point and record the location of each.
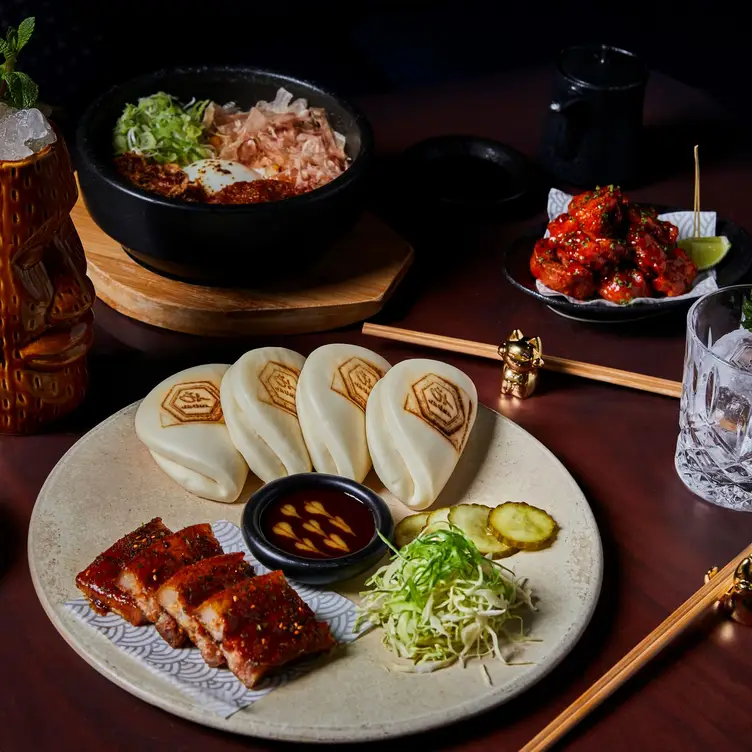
(216, 174)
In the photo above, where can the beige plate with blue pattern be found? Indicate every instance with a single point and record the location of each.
(107, 485)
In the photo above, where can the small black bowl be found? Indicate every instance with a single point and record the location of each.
(467, 176)
(315, 571)
(237, 245)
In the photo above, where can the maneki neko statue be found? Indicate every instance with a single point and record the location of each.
(45, 296)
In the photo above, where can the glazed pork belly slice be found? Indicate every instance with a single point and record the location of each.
(98, 582)
(261, 624)
(191, 586)
(148, 571)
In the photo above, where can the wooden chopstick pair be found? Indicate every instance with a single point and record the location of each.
(551, 363)
(712, 591)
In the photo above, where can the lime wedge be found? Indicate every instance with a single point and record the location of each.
(706, 252)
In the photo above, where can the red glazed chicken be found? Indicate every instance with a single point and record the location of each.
(608, 247)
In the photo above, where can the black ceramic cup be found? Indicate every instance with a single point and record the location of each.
(315, 571)
(236, 245)
(593, 131)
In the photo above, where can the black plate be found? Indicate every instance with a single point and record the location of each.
(467, 175)
(731, 270)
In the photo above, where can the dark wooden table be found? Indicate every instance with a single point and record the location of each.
(659, 539)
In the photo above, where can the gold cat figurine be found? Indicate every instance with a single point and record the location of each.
(523, 357)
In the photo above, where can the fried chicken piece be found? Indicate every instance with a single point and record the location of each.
(261, 624)
(624, 285)
(147, 572)
(596, 254)
(599, 213)
(562, 275)
(650, 254)
(98, 582)
(194, 584)
(562, 226)
(678, 276)
(646, 218)
(651, 240)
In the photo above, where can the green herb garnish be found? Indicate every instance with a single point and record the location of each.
(16, 88)
(440, 600)
(746, 321)
(160, 128)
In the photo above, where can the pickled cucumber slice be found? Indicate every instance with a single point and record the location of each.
(408, 528)
(438, 520)
(522, 526)
(472, 519)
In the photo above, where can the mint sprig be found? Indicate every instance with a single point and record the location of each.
(16, 88)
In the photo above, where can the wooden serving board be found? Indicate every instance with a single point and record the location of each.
(350, 283)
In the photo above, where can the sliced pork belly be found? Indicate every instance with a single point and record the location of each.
(261, 624)
(147, 572)
(98, 582)
(191, 586)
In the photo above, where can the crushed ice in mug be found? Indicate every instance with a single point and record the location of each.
(23, 133)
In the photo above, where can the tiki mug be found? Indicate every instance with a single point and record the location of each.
(45, 296)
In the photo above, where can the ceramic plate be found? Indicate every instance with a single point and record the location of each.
(730, 271)
(107, 484)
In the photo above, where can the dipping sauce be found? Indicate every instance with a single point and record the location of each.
(320, 523)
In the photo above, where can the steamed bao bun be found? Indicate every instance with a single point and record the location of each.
(258, 395)
(333, 391)
(418, 420)
(181, 423)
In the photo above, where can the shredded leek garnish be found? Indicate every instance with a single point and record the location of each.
(440, 600)
(160, 128)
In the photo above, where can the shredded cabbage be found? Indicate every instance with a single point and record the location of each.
(440, 600)
(160, 128)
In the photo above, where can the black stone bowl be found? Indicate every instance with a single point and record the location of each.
(734, 267)
(235, 245)
(315, 571)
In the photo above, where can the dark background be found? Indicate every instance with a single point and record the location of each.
(364, 46)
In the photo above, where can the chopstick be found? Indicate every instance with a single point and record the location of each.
(714, 589)
(590, 371)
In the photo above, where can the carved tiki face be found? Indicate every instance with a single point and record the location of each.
(45, 295)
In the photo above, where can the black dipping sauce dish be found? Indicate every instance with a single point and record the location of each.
(317, 528)
(227, 245)
(467, 177)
